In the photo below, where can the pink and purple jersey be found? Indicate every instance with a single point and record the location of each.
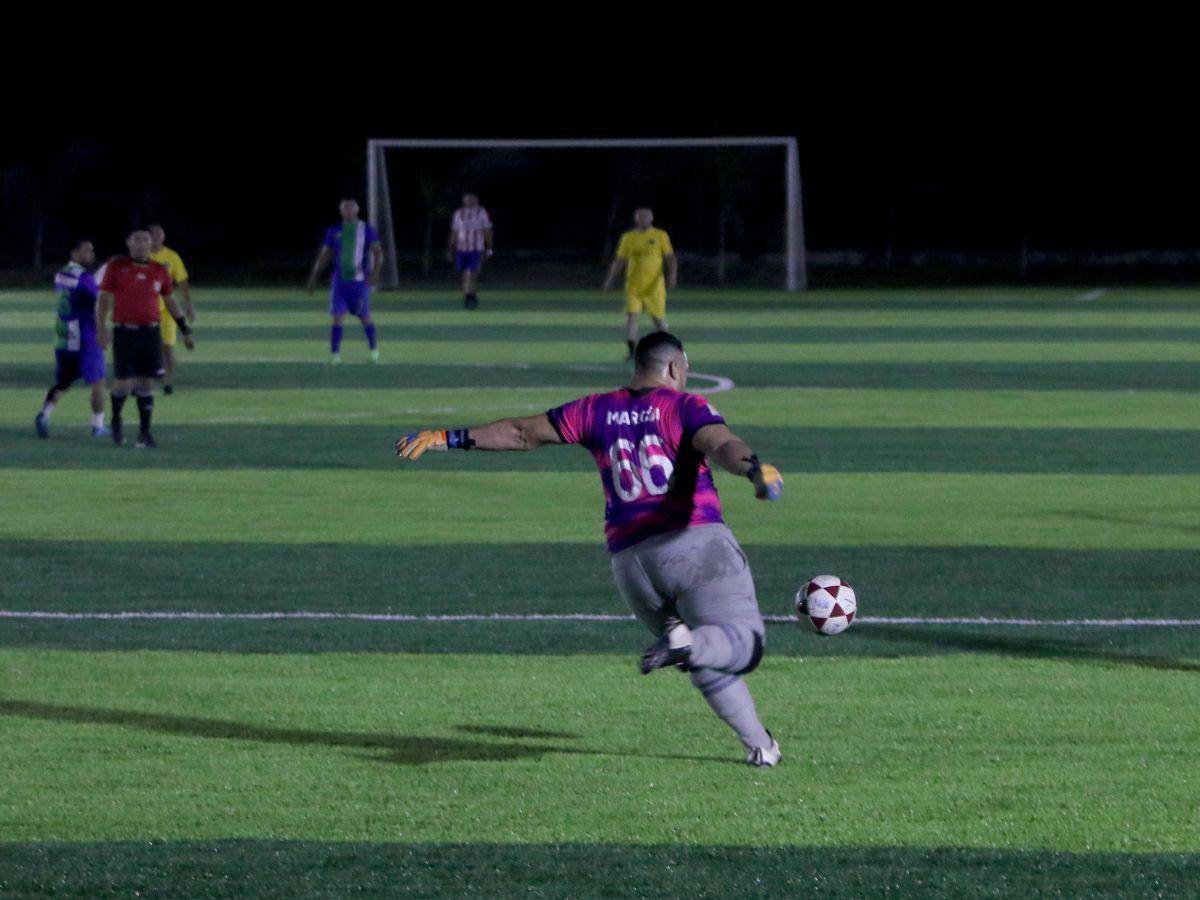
(654, 480)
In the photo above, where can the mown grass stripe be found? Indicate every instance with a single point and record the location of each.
(800, 449)
(573, 378)
(247, 867)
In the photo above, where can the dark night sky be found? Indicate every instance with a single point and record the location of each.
(1074, 169)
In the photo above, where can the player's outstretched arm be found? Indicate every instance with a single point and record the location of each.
(527, 433)
(732, 454)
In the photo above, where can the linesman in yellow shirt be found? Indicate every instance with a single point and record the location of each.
(160, 252)
(641, 254)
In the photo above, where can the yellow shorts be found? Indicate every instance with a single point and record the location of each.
(166, 324)
(652, 299)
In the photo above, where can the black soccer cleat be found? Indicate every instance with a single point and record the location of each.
(42, 426)
(470, 301)
(117, 436)
(674, 648)
(168, 389)
(145, 441)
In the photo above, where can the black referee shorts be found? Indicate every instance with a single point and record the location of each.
(137, 352)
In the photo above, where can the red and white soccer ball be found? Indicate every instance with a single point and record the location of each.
(827, 604)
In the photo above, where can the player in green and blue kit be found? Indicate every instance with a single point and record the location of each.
(358, 256)
(77, 354)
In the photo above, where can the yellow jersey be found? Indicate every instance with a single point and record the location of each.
(643, 252)
(173, 262)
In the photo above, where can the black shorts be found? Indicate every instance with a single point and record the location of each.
(137, 352)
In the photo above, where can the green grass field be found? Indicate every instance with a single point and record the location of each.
(980, 455)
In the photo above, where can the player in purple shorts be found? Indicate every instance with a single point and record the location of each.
(469, 245)
(354, 247)
(674, 560)
(77, 354)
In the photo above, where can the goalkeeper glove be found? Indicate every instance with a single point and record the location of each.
(768, 483)
(412, 446)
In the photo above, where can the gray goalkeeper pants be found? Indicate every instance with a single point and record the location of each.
(701, 575)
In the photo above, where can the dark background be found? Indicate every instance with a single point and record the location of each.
(1085, 178)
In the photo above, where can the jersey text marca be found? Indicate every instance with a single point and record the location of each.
(637, 417)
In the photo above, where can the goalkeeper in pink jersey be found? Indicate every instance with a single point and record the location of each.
(675, 562)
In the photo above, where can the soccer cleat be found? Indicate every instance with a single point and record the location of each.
(470, 301)
(374, 355)
(42, 424)
(117, 436)
(168, 388)
(674, 648)
(145, 441)
(335, 360)
(100, 431)
(765, 756)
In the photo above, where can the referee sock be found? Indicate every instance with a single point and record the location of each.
(145, 403)
(335, 338)
(117, 403)
(369, 330)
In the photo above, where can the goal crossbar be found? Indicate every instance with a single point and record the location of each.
(796, 265)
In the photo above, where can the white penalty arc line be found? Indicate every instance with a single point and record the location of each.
(570, 617)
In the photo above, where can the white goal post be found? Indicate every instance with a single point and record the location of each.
(379, 196)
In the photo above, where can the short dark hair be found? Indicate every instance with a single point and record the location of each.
(656, 349)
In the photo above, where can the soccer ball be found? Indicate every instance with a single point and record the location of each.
(827, 604)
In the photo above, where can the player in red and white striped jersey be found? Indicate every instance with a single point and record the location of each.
(470, 243)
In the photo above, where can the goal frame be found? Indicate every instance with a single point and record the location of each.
(795, 255)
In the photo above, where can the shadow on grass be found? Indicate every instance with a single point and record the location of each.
(400, 749)
(1035, 646)
(508, 732)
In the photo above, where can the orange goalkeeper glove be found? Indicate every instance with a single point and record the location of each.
(412, 446)
(768, 483)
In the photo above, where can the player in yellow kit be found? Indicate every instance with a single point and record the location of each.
(160, 252)
(642, 253)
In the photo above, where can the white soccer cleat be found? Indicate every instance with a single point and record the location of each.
(765, 756)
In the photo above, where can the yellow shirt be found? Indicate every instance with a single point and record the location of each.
(173, 262)
(644, 252)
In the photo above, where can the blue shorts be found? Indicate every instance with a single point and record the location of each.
(468, 260)
(353, 297)
(71, 365)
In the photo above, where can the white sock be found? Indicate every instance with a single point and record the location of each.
(98, 420)
(47, 408)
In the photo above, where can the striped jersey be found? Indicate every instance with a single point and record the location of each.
(75, 328)
(351, 245)
(468, 226)
(654, 480)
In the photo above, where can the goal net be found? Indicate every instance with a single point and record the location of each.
(731, 206)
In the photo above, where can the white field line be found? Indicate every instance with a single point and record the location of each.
(1094, 295)
(569, 617)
